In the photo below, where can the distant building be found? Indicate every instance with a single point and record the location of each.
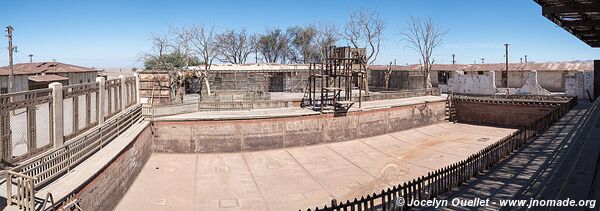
(551, 75)
(28, 76)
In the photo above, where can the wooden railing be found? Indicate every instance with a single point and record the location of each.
(149, 111)
(444, 179)
(25, 196)
(55, 163)
(233, 105)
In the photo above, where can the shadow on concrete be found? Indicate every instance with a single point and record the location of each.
(531, 172)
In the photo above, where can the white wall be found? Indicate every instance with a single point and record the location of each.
(578, 84)
(472, 83)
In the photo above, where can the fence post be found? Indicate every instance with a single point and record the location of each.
(137, 87)
(57, 114)
(123, 93)
(101, 98)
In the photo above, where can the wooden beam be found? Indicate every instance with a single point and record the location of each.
(592, 32)
(594, 44)
(579, 23)
(572, 8)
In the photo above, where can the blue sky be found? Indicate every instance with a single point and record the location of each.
(113, 33)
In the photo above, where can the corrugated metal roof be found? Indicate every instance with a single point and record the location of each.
(44, 67)
(47, 78)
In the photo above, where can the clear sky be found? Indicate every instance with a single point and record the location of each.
(113, 33)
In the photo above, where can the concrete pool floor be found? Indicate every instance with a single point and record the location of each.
(302, 177)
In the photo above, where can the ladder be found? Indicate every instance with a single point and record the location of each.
(450, 110)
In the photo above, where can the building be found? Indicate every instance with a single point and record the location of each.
(28, 76)
(551, 75)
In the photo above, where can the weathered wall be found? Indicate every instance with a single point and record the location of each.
(553, 81)
(501, 114)
(472, 83)
(272, 81)
(105, 190)
(79, 77)
(578, 84)
(531, 86)
(21, 83)
(399, 79)
(260, 134)
(550, 80)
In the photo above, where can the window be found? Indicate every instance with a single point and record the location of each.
(3, 90)
(443, 77)
(480, 72)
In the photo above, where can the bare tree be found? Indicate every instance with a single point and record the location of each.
(235, 46)
(387, 75)
(302, 41)
(363, 30)
(182, 46)
(273, 46)
(327, 35)
(424, 36)
(156, 57)
(204, 42)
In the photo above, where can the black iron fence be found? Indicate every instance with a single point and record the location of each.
(444, 179)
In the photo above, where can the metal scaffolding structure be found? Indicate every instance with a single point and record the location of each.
(331, 84)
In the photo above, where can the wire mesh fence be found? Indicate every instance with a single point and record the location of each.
(27, 118)
(24, 123)
(18, 129)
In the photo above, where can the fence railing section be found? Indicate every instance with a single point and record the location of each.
(79, 108)
(55, 163)
(25, 193)
(401, 94)
(220, 106)
(113, 97)
(444, 179)
(34, 121)
(150, 111)
(25, 123)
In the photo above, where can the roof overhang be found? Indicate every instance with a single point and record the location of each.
(579, 17)
(47, 78)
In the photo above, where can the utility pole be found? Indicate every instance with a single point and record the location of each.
(453, 61)
(506, 70)
(11, 77)
(482, 60)
(30, 58)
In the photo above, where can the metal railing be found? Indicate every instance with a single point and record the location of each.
(442, 180)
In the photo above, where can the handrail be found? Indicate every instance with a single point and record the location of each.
(48, 196)
(25, 198)
(19, 174)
